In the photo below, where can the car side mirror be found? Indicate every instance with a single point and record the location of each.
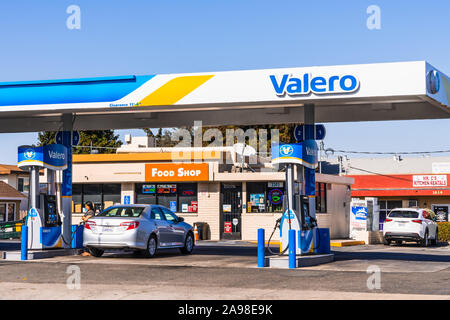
(180, 219)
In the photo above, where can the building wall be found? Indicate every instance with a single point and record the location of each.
(108, 172)
(338, 209)
(426, 202)
(251, 222)
(208, 208)
(129, 173)
(423, 201)
(13, 181)
(128, 190)
(10, 179)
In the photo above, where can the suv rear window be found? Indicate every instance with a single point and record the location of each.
(126, 212)
(403, 214)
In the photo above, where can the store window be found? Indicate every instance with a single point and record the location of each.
(265, 197)
(11, 211)
(321, 197)
(2, 212)
(7, 211)
(167, 195)
(23, 184)
(101, 195)
(111, 194)
(187, 197)
(413, 203)
(77, 199)
(178, 197)
(93, 193)
(386, 206)
(146, 193)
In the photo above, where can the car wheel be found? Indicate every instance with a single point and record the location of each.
(152, 246)
(96, 252)
(188, 244)
(425, 240)
(435, 241)
(398, 242)
(387, 242)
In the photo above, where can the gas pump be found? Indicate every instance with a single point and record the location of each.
(43, 219)
(50, 210)
(300, 160)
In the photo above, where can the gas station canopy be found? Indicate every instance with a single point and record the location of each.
(369, 92)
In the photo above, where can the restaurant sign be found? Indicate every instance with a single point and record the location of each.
(430, 181)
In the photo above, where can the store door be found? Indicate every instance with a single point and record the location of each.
(230, 211)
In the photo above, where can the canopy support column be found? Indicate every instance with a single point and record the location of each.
(66, 193)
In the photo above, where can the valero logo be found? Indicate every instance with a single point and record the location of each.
(29, 154)
(286, 150)
(319, 85)
(433, 82)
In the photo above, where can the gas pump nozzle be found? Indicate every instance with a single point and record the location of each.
(308, 222)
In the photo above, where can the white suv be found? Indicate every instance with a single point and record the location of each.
(411, 225)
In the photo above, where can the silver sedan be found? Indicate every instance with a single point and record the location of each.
(144, 228)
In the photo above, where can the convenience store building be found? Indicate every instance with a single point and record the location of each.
(200, 187)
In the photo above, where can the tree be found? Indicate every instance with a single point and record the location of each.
(105, 141)
(148, 132)
(163, 138)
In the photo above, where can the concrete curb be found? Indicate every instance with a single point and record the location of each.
(39, 254)
(346, 243)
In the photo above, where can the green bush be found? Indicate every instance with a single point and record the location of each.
(444, 231)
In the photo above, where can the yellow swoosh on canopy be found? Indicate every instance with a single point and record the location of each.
(174, 90)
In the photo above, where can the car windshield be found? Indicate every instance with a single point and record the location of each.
(126, 212)
(403, 214)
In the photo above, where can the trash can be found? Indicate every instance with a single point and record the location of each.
(206, 232)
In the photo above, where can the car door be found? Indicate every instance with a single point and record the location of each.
(161, 225)
(430, 225)
(176, 229)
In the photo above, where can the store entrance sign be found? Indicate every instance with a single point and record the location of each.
(227, 227)
(430, 181)
(177, 172)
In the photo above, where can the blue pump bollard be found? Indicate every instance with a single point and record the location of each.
(292, 250)
(24, 243)
(323, 241)
(77, 236)
(261, 249)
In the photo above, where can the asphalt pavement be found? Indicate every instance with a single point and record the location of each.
(221, 270)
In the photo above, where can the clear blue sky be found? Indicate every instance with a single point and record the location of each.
(147, 37)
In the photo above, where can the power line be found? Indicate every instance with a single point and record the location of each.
(96, 147)
(333, 151)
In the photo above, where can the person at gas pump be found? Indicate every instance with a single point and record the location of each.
(89, 213)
